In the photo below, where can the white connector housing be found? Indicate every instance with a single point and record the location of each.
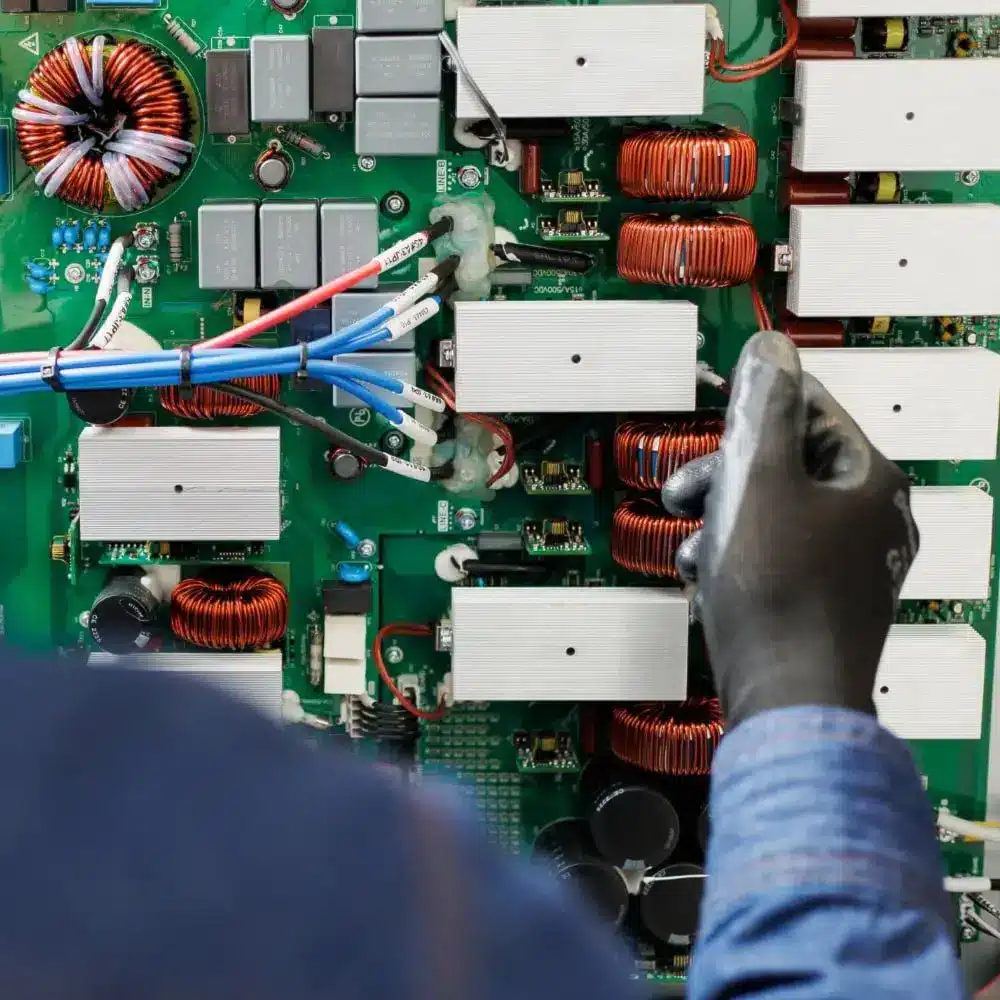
(345, 648)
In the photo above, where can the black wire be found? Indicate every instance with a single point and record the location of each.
(297, 416)
(89, 328)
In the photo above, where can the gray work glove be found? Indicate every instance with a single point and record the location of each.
(807, 540)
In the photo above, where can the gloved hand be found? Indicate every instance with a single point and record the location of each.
(807, 540)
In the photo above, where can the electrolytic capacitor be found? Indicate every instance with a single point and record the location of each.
(815, 191)
(670, 902)
(825, 48)
(814, 332)
(531, 168)
(594, 468)
(567, 850)
(272, 170)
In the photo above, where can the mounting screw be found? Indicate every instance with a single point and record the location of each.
(470, 177)
(395, 204)
(366, 163)
(84, 619)
(970, 178)
(466, 518)
(394, 655)
(366, 548)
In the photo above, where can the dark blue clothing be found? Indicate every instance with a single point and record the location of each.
(159, 842)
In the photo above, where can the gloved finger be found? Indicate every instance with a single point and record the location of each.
(683, 494)
(766, 420)
(836, 450)
(697, 606)
(687, 555)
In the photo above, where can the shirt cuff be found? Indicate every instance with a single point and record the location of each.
(822, 797)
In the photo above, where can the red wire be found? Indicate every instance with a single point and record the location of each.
(404, 628)
(728, 72)
(759, 308)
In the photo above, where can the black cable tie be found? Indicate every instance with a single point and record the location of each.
(50, 371)
(186, 391)
(303, 373)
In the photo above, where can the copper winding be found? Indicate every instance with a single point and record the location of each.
(648, 454)
(668, 739)
(142, 90)
(242, 610)
(207, 403)
(686, 164)
(645, 540)
(700, 253)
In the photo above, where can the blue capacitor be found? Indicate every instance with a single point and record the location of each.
(57, 237)
(71, 234)
(38, 286)
(348, 534)
(90, 236)
(353, 573)
(104, 237)
(37, 270)
(101, 258)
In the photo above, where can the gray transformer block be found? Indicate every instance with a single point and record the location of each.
(289, 244)
(398, 64)
(393, 363)
(397, 126)
(400, 15)
(349, 307)
(333, 69)
(227, 245)
(279, 78)
(348, 238)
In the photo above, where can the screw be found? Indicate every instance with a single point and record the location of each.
(470, 177)
(395, 204)
(366, 163)
(366, 548)
(466, 518)
(84, 619)
(957, 608)
(394, 655)
(334, 118)
(971, 338)
(75, 274)
(970, 178)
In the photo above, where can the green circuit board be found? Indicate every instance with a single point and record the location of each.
(42, 599)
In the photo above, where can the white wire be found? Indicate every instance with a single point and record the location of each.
(968, 828)
(97, 64)
(134, 183)
(109, 272)
(145, 153)
(157, 137)
(36, 100)
(960, 884)
(118, 188)
(76, 153)
(41, 118)
(113, 321)
(76, 56)
(174, 156)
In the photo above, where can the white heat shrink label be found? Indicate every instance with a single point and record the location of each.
(414, 293)
(403, 468)
(400, 325)
(417, 431)
(423, 398)
(401, 251)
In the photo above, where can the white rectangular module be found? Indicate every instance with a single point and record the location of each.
(575, 357)
(891, 8)
(916, 403)
(180, 484)
(569, 644)
(251, 677)
(890, 114)
(894, 260)
(930, 682)
(956, 543)
(568, 61)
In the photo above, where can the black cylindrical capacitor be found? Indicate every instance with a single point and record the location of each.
(634, 825)
(565, 847)
(670, 901)
(123, 616)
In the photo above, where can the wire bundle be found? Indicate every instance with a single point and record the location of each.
(721, 69)
(668, 739)
(229, 611)
(648, 454)
(699, 253)
(94, 123)
(686, 164)
(208, 402)
(404, 628)
(645, 540)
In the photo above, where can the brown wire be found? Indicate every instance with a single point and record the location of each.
(207, 403)
(700, 253)
(686, 164)
(648, 454)
(679, 739)
(645, 540)
(245, 610)
(145, 89)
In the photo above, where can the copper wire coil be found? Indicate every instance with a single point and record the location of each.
(648, 454)
(686, 164)
(244, 611)
(207, 403)
(146, 91)
(699, 253)
(678, 739)
(644, 539)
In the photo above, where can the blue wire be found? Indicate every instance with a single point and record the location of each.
(391, 413)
